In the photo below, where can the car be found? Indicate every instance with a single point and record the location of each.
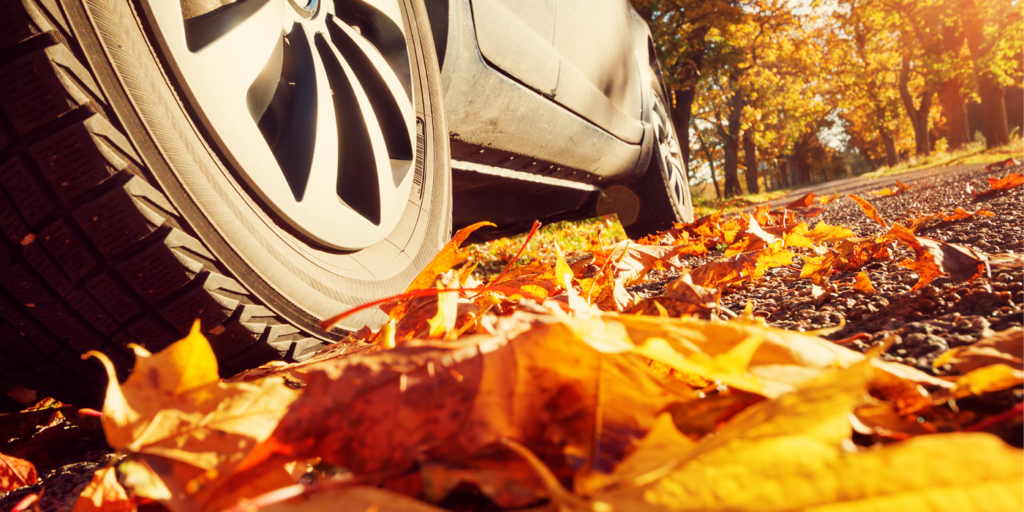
(264, 164)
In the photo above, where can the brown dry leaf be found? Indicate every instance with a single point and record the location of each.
(748, 265)
(805, 206)
(633, 261)
(606, 292)
(1004, 347)
(174, 412)
(681, 297)
(1012, 261)
(862, 283)
(353, 499)
(538, 382)
(504, 478)
(996, 184)
(996, 377)
(104, 493)
(788, 454)
(935, 258)
(15, 473)
(870, 211)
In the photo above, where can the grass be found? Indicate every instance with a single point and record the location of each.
(573, 237)
(973, 154)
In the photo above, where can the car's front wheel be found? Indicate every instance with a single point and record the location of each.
(259, 165)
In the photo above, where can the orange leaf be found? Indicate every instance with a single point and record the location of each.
(15, 473)
(828, 199)
(104, 493)
(935, 258)
(749, 265)
(803, 202)
(862, 283)
(960, 213)
(995, 185)
(448, 257)
(818, 269)
(870, 211)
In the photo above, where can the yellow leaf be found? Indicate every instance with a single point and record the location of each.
(996, 377)
(870, 211)
(174, 408)
(791, 454)
(104, 493)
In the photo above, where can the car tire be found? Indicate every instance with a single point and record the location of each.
(661, 196)
(126, 215)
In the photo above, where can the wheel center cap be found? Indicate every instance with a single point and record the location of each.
(306, 8)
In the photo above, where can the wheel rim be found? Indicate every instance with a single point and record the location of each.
(671, 158)
(310, 100)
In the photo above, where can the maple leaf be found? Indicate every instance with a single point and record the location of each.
(898, 189)
(15, 473)
(805, 206)
(1004, 347)
(748, 265)
(795, 442)
(818, 268)
(681, 297)
(870, 211)
(446, 258)
(173, 413)
(374, 412)
(997, 185)
(104, 493)
(824, 200)
(935, 258)
(862, 283)
(996, 377)
(633, 261)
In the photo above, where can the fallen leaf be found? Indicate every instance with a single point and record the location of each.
(448, 257)
(862, 283)
(15, 473)
(899, 188)
(174, 412)
(934, 258)
(749, 265)
(376, 412)
(633, 261)
(350, 499)
(104, 493)
(804, 201)
(960, 213)
(818, 268)
(828, 199)
(999, 184)
(870, 211)
(996, 377)
(1004, 347)
(796, 443)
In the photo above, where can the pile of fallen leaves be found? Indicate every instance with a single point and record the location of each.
(554, 387)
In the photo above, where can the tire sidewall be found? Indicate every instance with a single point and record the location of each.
(299, 281)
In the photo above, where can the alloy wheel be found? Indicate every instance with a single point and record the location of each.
(310, 100)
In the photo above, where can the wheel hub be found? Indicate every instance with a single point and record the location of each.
(309, 101)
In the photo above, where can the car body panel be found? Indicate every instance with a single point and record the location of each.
(493, 109)
(516, 36)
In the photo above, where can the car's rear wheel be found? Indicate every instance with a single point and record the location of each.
(259, 165)
(661, 196)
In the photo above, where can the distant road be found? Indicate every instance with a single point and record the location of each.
(862, 184)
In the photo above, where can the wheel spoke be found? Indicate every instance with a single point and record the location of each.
(297, 144)
(383, 88)
(364, 180)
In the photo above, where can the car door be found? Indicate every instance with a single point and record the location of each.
(517, 36)
(598, 76)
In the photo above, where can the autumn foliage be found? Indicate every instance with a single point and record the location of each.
(553, 385)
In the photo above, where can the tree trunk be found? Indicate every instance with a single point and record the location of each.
(891, 157)
(918, 115)
(993, 100)
(750, 160)
(993, 112)
(792, 171)
(711, 164)
(958, 132)
(682, 111)
(731, 137)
